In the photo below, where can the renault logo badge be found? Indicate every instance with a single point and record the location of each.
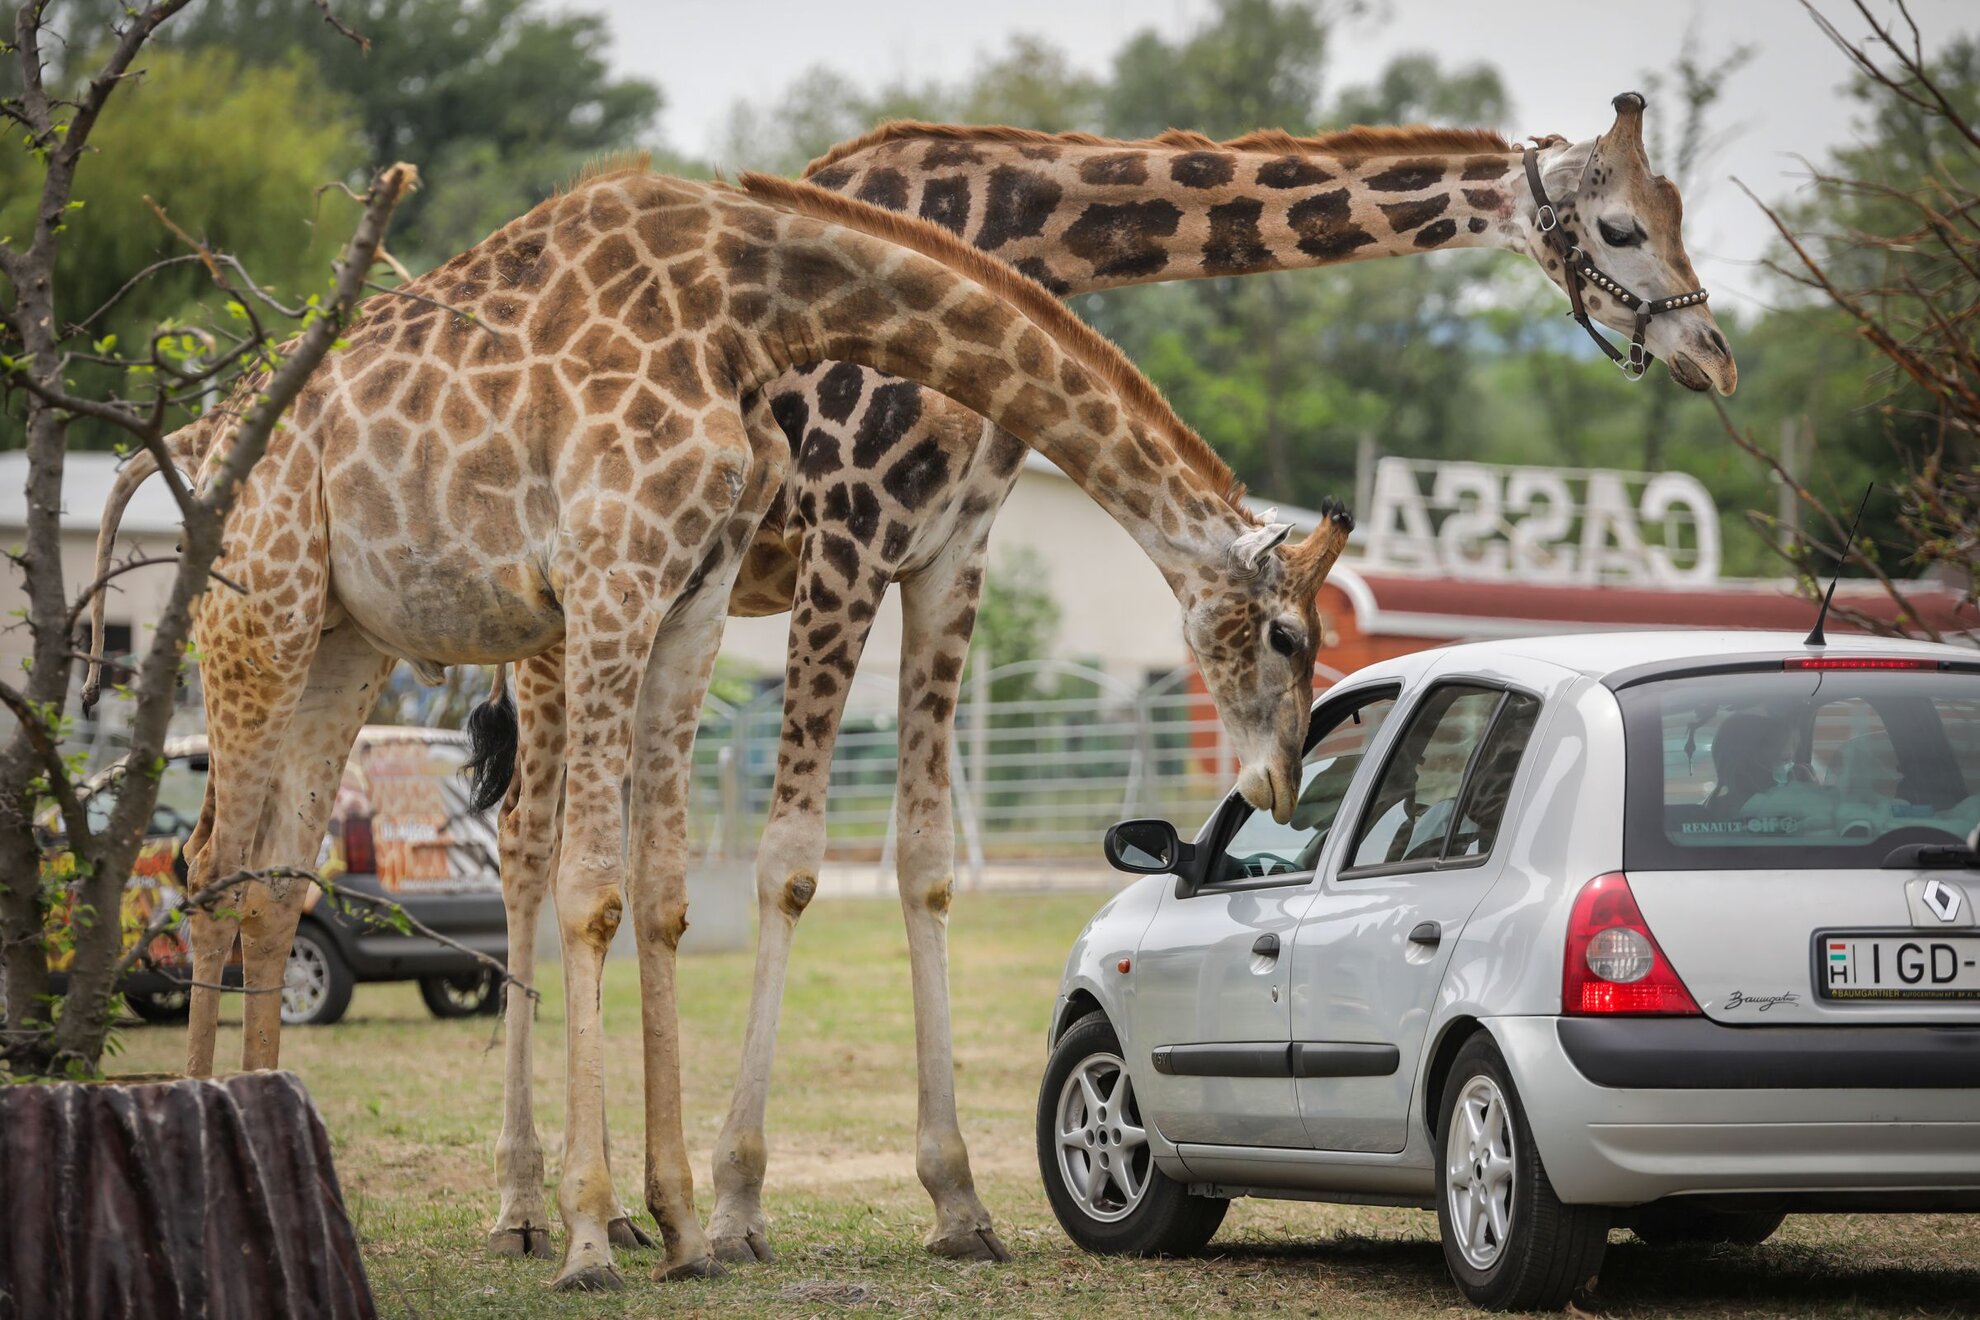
(1941, 900)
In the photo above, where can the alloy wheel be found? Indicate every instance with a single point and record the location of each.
(1103, 1148)
(305, 981)
(1479, 1172)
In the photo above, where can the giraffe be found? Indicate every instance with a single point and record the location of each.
(1078, 213)
(542, 447)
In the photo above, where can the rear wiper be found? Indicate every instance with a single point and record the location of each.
(1932, 855)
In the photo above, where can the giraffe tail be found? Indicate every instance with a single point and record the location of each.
(129, 478)
(491, 731)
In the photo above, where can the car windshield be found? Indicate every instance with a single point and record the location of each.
(1799, 769)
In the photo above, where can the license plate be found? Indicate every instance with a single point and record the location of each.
(1906, 966)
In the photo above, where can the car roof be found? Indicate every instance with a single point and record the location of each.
(1602, 654)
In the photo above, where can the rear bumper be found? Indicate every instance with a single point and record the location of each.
(1698, 1054)
(1706, 1123)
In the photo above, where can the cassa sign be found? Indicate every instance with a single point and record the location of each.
(1477, 520)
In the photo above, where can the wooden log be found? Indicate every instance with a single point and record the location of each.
(173, 1200)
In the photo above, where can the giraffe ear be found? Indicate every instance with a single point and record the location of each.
(1248, 551)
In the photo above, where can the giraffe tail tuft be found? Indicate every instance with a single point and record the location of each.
(492, 735)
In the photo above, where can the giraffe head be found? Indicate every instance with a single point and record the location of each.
(1630, 221)
(1253, 627)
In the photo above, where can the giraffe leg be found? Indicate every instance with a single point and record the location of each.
(663, 751)
(837, 616)
(601, 686)
(344, 680)
(671, 697)
(210, 937)
(529, 859)
(938, 607)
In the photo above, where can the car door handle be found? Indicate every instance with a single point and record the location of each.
(1427, 933)
(1266, 945)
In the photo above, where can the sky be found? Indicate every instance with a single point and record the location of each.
(1561, 60)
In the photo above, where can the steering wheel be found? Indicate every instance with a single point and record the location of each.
(1260, 865)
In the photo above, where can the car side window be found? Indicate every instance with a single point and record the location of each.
(1490, 788)
(1259, 847)
(1444, 791)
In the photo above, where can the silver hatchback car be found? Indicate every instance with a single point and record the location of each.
(1675, 932)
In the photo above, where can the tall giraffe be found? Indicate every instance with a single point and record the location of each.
(542, 446)
(1079, 214)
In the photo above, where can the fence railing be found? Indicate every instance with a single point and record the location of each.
(1047, 754)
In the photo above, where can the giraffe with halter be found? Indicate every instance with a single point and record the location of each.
(1077, 213)
(542, 448)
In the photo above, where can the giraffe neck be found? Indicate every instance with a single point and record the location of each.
(1079, 216)
(909, 301)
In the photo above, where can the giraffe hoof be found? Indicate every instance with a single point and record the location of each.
(702, 1267)
(751, 1248)
(973, 1244)
(592, 1278)
(623, 1232)
(524, 1241)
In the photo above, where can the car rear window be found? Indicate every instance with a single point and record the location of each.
(1799, 769)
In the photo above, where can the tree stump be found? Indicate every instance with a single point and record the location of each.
(173, 1200)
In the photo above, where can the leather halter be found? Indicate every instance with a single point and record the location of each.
(1582, 270)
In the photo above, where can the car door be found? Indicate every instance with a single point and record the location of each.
(1372, 945)
(1210, 1026)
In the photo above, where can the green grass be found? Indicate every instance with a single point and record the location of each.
(413, 1107)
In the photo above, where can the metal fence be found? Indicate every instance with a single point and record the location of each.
(1047, 754)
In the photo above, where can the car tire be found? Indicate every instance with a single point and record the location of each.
(1676, 1225)
(160, 1008)
(316, 982)
(462, 995)
(1509, 1242)
(1107, 1193)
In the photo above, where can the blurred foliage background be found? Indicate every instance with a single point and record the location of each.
(250, 105)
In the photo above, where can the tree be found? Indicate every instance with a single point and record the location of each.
(1896, 262)
(497, 101)
(1030, 84)
(231, 152)
(169, 372)
(1252, 64)
(1016, 620)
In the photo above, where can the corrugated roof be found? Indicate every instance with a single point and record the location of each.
(86, 479)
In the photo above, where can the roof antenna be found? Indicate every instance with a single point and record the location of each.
(1815, 635)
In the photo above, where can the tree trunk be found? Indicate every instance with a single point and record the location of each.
(180, 1200)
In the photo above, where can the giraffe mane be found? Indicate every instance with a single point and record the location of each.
(1359, 140)
(1087, 346)
(605, 165)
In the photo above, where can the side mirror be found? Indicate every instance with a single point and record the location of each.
(1147, 847)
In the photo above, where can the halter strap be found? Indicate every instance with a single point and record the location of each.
(1581, 270)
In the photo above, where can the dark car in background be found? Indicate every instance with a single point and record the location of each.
(400, 830)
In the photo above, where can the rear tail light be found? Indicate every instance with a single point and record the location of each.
(360, 856)
(1613, 964)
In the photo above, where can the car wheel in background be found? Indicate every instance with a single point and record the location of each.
(316, 985)
(464, 994)
(1510, 1243)
(1677, 1224)
(160, 1008)
(1093, 1152)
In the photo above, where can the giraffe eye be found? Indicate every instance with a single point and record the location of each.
(1282, 638)
(1616, 235)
